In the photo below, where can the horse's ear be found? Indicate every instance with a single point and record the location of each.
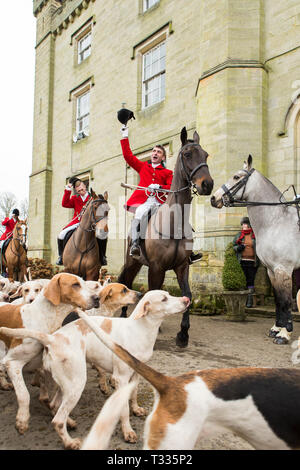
(196, 137)
(105, 195)
(183, 136)
(249, 162)
(93, 194)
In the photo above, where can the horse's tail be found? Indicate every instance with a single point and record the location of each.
(102, 429)
(43, 338)
(156, 379)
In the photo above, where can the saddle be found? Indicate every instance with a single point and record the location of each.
(68, 236)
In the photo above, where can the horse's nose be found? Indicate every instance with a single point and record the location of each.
(207, 187)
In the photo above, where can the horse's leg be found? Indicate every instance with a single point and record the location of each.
(128, 274)
(281, 281)
(182, 273)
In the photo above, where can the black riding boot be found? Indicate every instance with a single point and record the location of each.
(60, 244)
(194, 257)
(135, 238)
(102, 251)
(249, 302)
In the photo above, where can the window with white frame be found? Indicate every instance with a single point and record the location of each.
(84, 46)
(83, 114)
(148, 4)
(153, 75)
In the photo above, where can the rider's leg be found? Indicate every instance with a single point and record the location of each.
(135, 237)
(60, 246)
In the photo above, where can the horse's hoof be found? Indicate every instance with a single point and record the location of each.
(182, 341)
(280, 340)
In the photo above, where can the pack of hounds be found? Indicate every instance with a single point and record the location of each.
(56, 327)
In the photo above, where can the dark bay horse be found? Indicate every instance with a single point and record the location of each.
(275, 224)
(15, 258)
(81, 253)
(168, 238)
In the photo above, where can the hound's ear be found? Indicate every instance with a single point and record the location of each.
(105, 295)
(196, 137)
(144, 310)
(105, 195)
(183, 136)
(52, 291)
(18, 293)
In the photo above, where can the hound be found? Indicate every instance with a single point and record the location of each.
(76, 344)
(260, 405)
(28, 291)
(45, 313)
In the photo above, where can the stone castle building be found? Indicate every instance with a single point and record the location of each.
(227, 68)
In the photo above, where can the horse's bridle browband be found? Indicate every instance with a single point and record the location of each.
(229, 200)
(94, 221)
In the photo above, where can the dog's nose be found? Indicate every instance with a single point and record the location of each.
(95, 300)
(186, 300)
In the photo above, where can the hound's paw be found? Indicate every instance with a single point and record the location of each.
(71, 423)
(6, 386)
(139, 411)
(130, 437)
(22, 426)
(75, 444)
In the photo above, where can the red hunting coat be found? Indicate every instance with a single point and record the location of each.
(73, 202)
(10, 225)
(148, 175)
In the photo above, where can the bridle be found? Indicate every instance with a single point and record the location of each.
(187, 175)
(228, 198)
(94, 220)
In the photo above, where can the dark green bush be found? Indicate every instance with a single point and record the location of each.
(233, 277)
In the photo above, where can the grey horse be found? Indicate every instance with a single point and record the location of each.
(277, 234)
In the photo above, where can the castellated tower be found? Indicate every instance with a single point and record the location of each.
(41, 177)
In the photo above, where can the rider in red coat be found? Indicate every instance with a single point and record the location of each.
(153, 175)
(9, 223)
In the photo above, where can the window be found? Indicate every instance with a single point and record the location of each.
(153, 75)
(84, 47)
(83, 114)
(148, 4)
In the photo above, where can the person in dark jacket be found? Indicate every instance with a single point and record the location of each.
(244, 245)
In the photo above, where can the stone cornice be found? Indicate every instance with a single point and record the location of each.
(70, 17)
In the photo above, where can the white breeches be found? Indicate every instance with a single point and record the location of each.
(63, 233)
(101, 234)
(143, 208)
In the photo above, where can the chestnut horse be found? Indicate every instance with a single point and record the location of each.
(81, 253)
(168, 238)
(15, 257)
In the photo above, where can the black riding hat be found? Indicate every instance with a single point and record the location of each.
(124, 115)
(16, 212)
(245, 220)
(73, 180)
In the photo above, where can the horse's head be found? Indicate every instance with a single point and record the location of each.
(193, 163)
(99, 212)
(234, 188)
(18, 230)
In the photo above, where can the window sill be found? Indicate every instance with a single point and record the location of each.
(143, 112)
(156, 5)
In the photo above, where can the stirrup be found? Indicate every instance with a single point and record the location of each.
(134, 250)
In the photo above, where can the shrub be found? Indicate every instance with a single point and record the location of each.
(40, 269)
(233, 277)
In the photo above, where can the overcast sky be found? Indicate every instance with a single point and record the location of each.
(17, 91)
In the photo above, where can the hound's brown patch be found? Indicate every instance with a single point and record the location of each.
(171, 407)
(63, 340)
(10, 316)
(82, 326)
(106, 326)
(216, 377)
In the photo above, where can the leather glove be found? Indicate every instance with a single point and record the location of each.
(124, 131)
(154, 186)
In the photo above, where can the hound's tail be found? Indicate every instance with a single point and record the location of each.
(43, 338)
(156, 379)
(102, 429)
